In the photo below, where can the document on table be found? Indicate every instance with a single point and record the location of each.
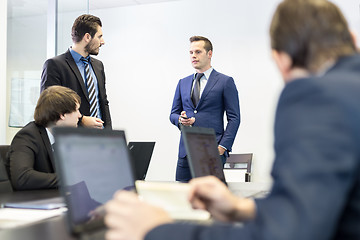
(14, 217)
(23, 213)
(44, 204)
(172, 197)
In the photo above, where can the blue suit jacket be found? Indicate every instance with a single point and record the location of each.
(316, 191)
(220, 95)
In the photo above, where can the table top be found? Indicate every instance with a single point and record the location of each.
(249, 189)
(29, 195)
(55, 228)
(52, 228)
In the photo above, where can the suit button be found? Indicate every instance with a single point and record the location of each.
(195, 111)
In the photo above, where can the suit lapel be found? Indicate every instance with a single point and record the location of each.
(188, 86)
(47, 145)
(70, 60)
(209, 85)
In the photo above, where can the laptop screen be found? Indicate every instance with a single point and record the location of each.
(141, 153)
(91, 165)
(202, 152)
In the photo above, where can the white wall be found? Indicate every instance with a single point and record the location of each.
(146, 53)
(3, 39)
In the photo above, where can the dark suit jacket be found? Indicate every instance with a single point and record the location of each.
(220, 95)
(31, 159)
(316, 191)
(62, 70)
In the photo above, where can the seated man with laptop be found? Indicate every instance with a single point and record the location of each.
(30, 160)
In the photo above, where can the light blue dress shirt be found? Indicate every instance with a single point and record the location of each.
(77, 58)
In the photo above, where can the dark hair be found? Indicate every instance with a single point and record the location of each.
(54, 102)
(208, 46)
(311, 32)
(85, 23)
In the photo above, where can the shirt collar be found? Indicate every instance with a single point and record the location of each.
(77, 57)
(207, 73)
(50, 136)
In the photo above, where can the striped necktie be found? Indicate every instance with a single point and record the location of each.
(90, 87)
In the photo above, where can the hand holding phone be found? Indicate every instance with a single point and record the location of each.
(185, 120)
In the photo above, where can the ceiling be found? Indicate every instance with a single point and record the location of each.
(23, 8)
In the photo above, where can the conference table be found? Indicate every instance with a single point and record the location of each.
(52, 228)
(55, 228)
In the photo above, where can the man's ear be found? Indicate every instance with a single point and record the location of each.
(353, 36)
(87, 37)
(210, 53)
(283, 62)
(62, 117)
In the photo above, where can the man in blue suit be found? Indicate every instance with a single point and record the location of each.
(316, 172)
(201, 100)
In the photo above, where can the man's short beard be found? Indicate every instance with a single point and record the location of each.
(89, 50)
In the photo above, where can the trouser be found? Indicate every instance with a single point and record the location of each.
(183, 173)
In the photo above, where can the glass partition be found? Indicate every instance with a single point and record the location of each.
(68, 11)
(26, 53)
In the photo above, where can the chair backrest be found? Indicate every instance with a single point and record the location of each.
(3, 151)
(5, 184)
(240, 161)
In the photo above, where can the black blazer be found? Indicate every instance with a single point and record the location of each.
(62, 70)
(31, 159)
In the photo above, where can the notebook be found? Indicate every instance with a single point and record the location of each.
(173, 198)
(202, 152)
(91, 164)
(141, 153)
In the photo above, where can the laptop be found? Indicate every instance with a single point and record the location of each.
(91, 164)
(141, 153)
(202, 152)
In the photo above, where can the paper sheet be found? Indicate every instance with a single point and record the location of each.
(13, 217)
(172, 197)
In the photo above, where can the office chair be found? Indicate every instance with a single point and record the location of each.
(240, 161)
(5, 184)
(3, 151)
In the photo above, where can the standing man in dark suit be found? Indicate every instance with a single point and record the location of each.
(31, 160)
(75, 69)
(201, 100)
(316, 189)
